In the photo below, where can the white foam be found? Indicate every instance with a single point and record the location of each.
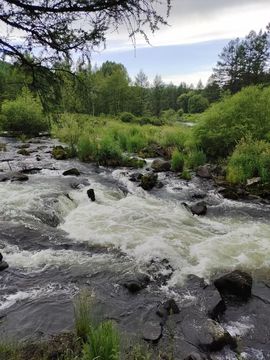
(8, 300)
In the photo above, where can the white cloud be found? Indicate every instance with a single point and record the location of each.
(195, 27)
(188, 78)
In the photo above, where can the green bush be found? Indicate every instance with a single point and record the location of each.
(109, 152)
(127, 117)
(24, 115)
(225, 123)
(195, 158)
(177, 161)
(250, 159)
(87, 148)
(197, 104)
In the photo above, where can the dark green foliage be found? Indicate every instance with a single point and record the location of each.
(127, 117)
(177, 161)
(197, 104)
(109, 152)
(244, 62)
(250, 159)
(225, 123)
(24, 115)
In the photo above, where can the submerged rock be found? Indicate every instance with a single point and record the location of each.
(72, 171)
(199, 208)
(139, 282)
(148, 181)
(91, 194)
(161, 165)
(18, 176)
(235, 286)
(135, 177)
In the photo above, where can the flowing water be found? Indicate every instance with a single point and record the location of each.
(57, 241)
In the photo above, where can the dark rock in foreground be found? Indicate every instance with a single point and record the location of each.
(152, 332)
(235, 286)
(3, 265)
(91, 194)
(72, 171)
(148, 181)
(137, 283)
(135, 177)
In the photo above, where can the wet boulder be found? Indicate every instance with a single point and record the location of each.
(204, 171)
(4, 177)
(152, 331)
(199, 208)
(161, 165)
(168, 308)
(3, 265)
(136, 283)
(73, 171)
(148, 181)
(91, 194)
(206, 334)
(60, 153)
(135, 177)
(235, 286)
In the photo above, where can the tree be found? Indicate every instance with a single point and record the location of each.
(50, 30)
(157, 94)
(197, 104)
(244, 62)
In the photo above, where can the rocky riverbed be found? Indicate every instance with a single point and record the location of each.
(150, 261)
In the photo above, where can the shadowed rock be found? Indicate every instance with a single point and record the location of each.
(148, 181)
(91, 194)
(161, 165)
(72, 171)
(235, 286)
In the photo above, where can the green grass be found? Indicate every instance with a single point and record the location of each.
(177, 161)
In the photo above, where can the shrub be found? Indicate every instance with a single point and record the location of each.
(127, 117)
(197, 104)
(224, 124)
(87, 148)
(24, 114)
(109, 152)
(250, 159)
(195, 158)
(177, 161)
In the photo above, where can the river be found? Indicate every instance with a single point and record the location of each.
(56, 241)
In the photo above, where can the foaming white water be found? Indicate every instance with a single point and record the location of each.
(145, 227)
(38, 260)
(8, 300)
(23, 201)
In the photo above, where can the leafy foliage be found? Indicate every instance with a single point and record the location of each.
(227, 122)
(250, 159)
(24, 114)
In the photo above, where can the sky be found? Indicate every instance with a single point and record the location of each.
(188, 48)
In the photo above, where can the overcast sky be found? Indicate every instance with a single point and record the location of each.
(188, 49)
